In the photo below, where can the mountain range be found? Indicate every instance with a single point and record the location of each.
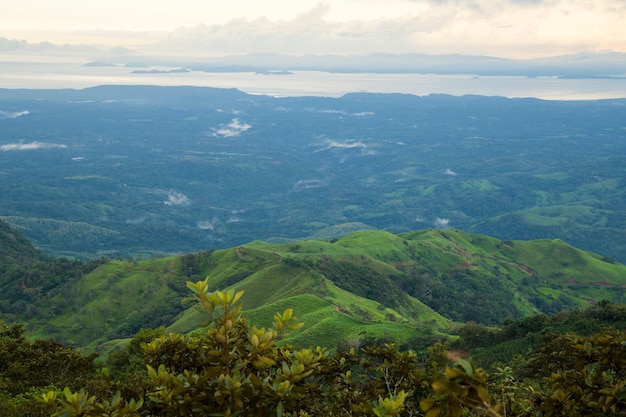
(583, 65)
(419, 285)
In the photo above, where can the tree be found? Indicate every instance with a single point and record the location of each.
(594, 384)
(29, 368)
(25, 364)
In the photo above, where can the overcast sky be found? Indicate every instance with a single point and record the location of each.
(505, 28)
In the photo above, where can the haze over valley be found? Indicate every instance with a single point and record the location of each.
(158, 170)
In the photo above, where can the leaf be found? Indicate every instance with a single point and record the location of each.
(427, 404)
(466, 366)
(483, 393)
(440, 386)
(434, 412)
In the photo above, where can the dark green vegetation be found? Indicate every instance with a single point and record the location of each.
(355, 295)
(349, 291)
(231, 367)
(126, 171)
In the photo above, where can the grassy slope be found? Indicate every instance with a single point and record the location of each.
(115, 298)
(329, 313)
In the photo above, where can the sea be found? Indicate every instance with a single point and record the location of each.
(311, 83)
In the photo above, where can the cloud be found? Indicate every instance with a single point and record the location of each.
(47, 50)
(306, 184)
(309, 33)
(233, 129)
(176, 199)
(211, 225)
(450, 172)
(330, 144)
(508, 28)
(13, 115)
(441, 223)
(30, 146)
(513, 28)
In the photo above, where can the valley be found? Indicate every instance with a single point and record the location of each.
(139, 171)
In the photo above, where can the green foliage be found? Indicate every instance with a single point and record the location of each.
(128, 361)
(81, 404)
(25, 404)
(230, 367)
(457, 388)
(15, 248)
(536, 333)
(362, 278)
(29, 369)
(234, 368)
(594, 383)
(42, 363)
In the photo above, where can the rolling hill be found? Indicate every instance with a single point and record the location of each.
(368, 284)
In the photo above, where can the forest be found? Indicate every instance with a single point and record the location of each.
(128, 171)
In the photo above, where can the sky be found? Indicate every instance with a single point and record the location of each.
(504, 28)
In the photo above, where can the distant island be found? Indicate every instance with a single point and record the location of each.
(158, 71)
(281, 72)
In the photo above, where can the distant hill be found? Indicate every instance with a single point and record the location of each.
(365, 285)
(15, 248)
(28, 276)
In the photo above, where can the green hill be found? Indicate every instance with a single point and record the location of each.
(15, 248)
(368, 284)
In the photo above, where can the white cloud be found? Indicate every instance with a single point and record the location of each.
(208, 224)
(30, 146)
(330, 144)
(306, 184)
(483, 27)
(233, 129)
(513, 28)
(12, 115)
(176, 199)
(441, 223)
